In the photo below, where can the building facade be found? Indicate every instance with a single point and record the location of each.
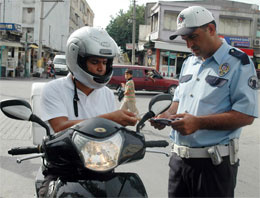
(237, 23)
(59, 19)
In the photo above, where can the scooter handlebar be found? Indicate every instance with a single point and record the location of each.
(24, 150)
(159, 143)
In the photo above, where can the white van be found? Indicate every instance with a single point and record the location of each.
(60, 65)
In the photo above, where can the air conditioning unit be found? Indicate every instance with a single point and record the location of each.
(257, 42)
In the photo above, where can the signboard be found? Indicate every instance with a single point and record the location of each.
(149, 60)
(237, 41)
(249, 52)
(149, 52)
(10, 27)
(129, 46)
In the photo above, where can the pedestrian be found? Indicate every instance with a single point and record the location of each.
(216, 97)
(52, 71)
(129, 101)
(82, 94)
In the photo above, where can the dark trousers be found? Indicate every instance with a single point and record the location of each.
(200, 178)
(45, 185)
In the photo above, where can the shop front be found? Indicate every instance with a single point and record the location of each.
(257, 61)
(9, 58)
(169, 57)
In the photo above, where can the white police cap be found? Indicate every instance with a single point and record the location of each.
(191, 18)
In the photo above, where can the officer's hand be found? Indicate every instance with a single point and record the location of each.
(157, 125)
(185, 124)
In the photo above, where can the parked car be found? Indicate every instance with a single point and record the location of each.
(145, 78)
(60, 65)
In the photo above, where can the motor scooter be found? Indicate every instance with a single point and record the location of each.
(84, 156)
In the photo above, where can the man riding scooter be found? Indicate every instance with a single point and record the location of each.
(82, 94)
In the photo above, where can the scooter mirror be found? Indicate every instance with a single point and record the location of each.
(160, 103)
(157, 105)
(21, 110)
(16, 109)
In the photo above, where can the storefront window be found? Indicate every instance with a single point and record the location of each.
(10, 52)
(165, 60)
(257, 33)
(257, 63)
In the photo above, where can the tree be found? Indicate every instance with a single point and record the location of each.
(120, 27)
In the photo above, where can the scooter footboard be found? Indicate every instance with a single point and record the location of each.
(119, 185)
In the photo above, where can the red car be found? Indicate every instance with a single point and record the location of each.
(145, 78)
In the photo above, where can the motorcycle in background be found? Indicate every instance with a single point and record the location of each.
(84, 156)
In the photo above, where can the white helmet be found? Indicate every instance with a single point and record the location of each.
(85, 42)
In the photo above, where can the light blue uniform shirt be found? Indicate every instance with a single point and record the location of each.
(219, 84)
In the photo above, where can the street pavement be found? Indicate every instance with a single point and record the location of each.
(17, 180)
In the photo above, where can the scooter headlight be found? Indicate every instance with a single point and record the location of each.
(99, 155)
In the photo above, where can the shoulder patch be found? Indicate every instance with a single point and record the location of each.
(253, 82)
(240, 55)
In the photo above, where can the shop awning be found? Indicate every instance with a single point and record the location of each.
(33, 46)
(171, 46)
(10, 44)
(249, 52)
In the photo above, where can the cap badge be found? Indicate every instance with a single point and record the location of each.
(100, 130)
(223, 69)
(181, 18)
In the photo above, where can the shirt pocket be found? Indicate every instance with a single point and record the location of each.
(215, 81)
(185, 78)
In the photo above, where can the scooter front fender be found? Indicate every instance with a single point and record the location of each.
(119, 185)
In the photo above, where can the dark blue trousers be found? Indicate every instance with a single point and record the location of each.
(198, 177)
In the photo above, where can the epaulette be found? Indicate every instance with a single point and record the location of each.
(240, 55)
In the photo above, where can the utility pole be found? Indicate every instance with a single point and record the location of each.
(133, 34)
(39, 55)
(49, 35)
(4, 12)
(1, 59)
(26, 69)
(61, 43)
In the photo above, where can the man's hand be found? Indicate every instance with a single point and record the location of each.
(122, 117)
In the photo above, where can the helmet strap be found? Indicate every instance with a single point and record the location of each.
(75, 98)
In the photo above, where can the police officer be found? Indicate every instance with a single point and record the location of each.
(216, 96)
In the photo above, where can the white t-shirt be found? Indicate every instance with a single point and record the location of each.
(57, 101)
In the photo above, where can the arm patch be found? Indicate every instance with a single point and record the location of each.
(240, 55)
